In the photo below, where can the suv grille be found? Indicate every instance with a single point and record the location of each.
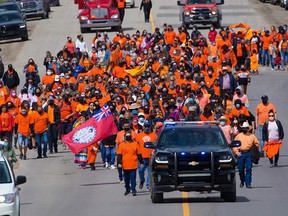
(99, 13)
(28, 5)
(194, 162)
(202, 11)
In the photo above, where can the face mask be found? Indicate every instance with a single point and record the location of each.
(142, 95)
(40, 111)
(124, 85)
(13, 94)
(170, 73)
(74, 62)
(6, 144)
(49, 73)
(238, 93)
(150, 83)
(65, 62)
(212, 29)
(67, 77)
(235, 121)
(145, 52)
(128, 138)
(61, 59)
(171, 87)
(264, 101)
(54, 60)
(80, 80)
(38, 93)
(238, 106)
(23, 112)
(245, 130)
(146, 130)
(222, 123)
(126, 129)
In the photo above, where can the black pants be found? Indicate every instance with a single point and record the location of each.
(147, 14)
(121, 13)
(52, 137)
(276, 158)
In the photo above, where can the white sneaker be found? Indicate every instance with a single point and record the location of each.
(112, 167)
(106, 165)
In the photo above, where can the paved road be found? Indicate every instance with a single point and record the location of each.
(56, 186)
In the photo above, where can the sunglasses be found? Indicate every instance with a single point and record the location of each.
(271, 115)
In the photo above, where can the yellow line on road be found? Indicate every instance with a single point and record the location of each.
(152, 22)
(185, 204)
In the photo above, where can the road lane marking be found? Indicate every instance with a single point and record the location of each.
(185, 204)
(152, 22)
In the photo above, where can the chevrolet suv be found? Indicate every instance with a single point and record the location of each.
(12, 25)
(9, 191)
(36, 8)
(99, 14)
(192, 156)
(200, 12)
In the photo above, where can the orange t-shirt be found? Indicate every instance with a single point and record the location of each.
(24, 124)
(262, 112)
(51, 114)
(266, 42)
(142, 138)
(65, 110)
(237, 112)
(169, 37)
(40, 122)
(129, 152)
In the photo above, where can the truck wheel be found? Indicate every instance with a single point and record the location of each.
(156, 197)
(116, 28)
(47, 15)
(218, 24)
(25, 37)
(229, 196)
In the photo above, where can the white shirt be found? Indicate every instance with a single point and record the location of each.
(273, 132)
(81, 45)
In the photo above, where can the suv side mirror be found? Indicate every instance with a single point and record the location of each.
(180, 4)
(235, 143)
(149, 145)
(20, 180)
(219, 2)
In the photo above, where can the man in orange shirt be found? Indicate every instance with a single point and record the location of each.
(128, 156)
(23, 127)
(6, 123)
(262, 111)
(41, 120)
(53, 112)
(266, 39)
(146, 136)
(121, 8)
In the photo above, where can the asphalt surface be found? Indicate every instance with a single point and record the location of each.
(56, 186)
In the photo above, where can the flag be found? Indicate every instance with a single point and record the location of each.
(97, 128)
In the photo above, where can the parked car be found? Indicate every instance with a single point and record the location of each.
(9, 191)
(12, 25)
(36, 8)
(12, 6)
(99, 14)
(130, 3)
(200, 12)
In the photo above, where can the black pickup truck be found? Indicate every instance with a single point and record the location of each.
(192, 156)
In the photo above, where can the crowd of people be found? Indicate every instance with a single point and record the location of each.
(186, 77)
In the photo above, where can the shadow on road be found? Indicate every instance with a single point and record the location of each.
(99, 184)
(202, 200)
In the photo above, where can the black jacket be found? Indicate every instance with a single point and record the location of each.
(57, 119)
(265, 133)
(146, 5)
(11, 81)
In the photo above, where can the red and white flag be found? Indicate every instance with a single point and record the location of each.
(97, 128)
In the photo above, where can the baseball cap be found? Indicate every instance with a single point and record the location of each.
(264, 97)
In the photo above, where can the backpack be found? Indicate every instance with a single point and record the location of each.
(255, 154)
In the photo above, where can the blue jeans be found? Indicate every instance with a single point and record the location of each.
(141, 172)
(260, 127)
(272, 61)
(284, 58)
(103, 153)
(265, 54)
(42, 138)
(110, 155)
(245, 162)
(130, 177)
(22, 140)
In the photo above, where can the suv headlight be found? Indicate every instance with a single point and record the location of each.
(115, 16)
(214, 12)
(22, 26)
(83, 18)
(225, 159)
(161, 159)
(7, 198)
(187, 13)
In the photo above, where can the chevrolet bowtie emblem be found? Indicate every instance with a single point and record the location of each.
(193, 163)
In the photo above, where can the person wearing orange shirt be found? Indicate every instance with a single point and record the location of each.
(23, 129)
(121, 9)
(3, 93)
(128, 156)
(262, 113)
(169, 36)
(41, 120)
(181, 35)
(14, 99)
(238, 110)
(53, 112)
(146, 136)
(6, 123)
(266, 39)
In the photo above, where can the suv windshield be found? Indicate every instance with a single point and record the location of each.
(200, 2)
(9, 17)
(191, 137)
(5, 176)
(10, 7)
